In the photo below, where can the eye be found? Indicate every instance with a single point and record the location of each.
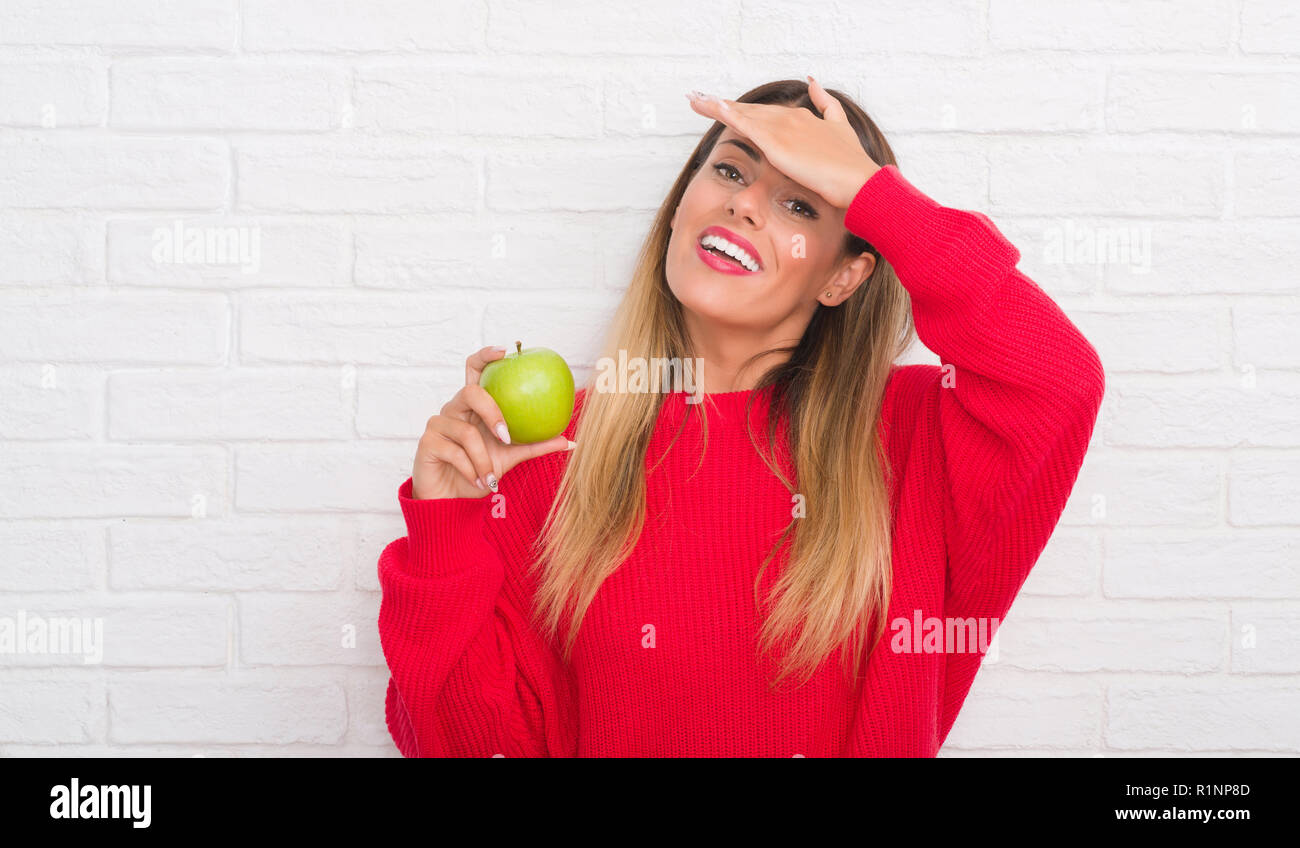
(724, 168)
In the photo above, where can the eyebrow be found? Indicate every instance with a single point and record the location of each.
(750, 151)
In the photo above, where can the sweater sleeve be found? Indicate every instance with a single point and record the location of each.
(1015, 400)
(469, 675)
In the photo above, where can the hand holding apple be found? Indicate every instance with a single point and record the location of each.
(461, 453)
(534, 389)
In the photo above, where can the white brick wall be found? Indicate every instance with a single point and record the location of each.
(203, 453)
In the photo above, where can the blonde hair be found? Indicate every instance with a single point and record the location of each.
(829, 390)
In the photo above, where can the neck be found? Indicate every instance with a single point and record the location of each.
(726, 354)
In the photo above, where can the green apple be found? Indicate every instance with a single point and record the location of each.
(534, 389)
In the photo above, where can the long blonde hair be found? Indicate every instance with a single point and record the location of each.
(829, 391)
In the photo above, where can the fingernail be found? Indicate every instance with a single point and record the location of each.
(478, 481)
(492, 482)
(499, 348)
(572, 444)
(503, 432)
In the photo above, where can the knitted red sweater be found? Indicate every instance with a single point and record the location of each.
(985, 455)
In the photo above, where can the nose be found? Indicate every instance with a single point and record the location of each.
(747, 204)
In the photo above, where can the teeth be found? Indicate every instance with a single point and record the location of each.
(719, 243)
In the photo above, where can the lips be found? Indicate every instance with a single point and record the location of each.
(735, 239)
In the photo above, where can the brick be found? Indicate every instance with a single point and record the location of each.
(100, 480)
(242, 403)
(108, 327)
(112, 173)
(240, 553)
(362, 329)
(226, 710)
(225, 94)
(1238, 564)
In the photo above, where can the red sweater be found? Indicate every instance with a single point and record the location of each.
(985, 458)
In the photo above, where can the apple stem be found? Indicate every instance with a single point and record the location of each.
(519, 346)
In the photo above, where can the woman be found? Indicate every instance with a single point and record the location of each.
(639, 595)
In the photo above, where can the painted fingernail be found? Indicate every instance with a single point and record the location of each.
(492, 482)
(572, 444)
(503, 432)
(478, 481)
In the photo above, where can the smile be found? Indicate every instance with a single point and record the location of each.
(724, 251)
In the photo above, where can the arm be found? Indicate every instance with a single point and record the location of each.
(1015, 402)
(469, 675)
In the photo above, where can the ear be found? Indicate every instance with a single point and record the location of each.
(851, 274)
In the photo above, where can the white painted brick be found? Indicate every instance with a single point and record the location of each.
(348, 477)
(103, 327)
(573, 330)
(406, 98)
(44, 248)
(1055, 176)
(1056, 254)
(282, 629)
(1137, 489)
(243, 403)
(193, 24)
(51, 556)
(354, 175)
(397, 405)
(1262, 489)
(1205, 415)
(593, 179)
(1166, 341)
(1006, 710)
(222, 710)
(366, 691)
(670, 28)
(112, 173)
(51, 712)
(363, 328)
(400, 26)
(785, 26)
(1262, 254)
(1064, 638)
(51, 401)
(374, 534)
(68, 93)
(1144, 99)
(1188, 715)
(245, 94)
(1269, 27)
(229, 252)
(89, 480)
(1021, 93)
(1265, 638)
(641, 105)
(518, 253)
(1154, 26)
(1070, 566)
(1265, 337)
(136, 632)
(953, 171)
(1241, 564)
(1267, 183)
(242, 553)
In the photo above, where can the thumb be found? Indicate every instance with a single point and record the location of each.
(536, 449)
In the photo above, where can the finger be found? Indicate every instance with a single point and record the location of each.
(830, 108)
(532, 451)
(475, 362)
(470, 439)
(445, 450)
(474, 398)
